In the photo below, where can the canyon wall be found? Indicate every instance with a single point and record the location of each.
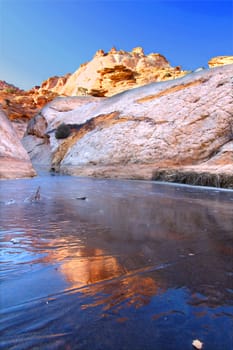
(182, 126)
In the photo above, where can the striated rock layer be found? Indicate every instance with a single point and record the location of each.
(23, 105)
(105, 75)
(116, 71)
(220, 61)
(20, 106)
(179, 130)
(14, 160)
(54, 84)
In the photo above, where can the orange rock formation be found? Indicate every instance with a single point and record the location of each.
(117, 71)
(105, 75)
(220, 61)
(154, 132)
(23, 105)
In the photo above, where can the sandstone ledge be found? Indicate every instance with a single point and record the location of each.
(179, 131)
(11, 168)
(221, 177)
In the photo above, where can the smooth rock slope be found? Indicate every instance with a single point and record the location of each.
(14, 160)
(178, 130)
(105, 75)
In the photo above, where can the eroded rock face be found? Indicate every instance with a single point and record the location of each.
(220, 61)
(116, 71)
(14, 160)
(105, 75)
(20, 106)
(55, 84)
(40, 141)
(184, 124)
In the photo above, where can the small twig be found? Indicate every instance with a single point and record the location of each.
(36, 197)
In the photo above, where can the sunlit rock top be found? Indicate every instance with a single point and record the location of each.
(182, 125)
(118, 70)
(220, 61)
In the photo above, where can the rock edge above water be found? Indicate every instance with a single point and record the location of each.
(179, 130)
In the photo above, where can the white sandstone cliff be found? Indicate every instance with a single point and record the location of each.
(184, 124)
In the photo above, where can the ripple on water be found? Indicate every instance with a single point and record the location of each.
(136, 266)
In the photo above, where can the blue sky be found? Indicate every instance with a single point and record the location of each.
(42, 38)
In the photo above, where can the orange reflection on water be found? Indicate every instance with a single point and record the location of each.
(86, 270)
(133, 291)
(129, 291)
(102, 276)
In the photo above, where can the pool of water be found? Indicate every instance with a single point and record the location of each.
(107, 264)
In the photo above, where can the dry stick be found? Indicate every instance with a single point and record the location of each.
(37, 195)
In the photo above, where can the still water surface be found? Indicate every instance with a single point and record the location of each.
(136, 265)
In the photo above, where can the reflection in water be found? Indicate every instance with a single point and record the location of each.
(90, 269)
(131, 291)
(136, 265)
(87, 266)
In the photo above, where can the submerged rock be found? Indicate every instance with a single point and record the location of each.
(14, 160)
(184, 125)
